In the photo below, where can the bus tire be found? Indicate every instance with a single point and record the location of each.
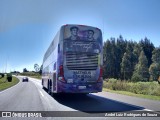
(42, 81)
(49, 88)
(42, 84)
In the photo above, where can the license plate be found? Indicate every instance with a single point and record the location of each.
(81, 87)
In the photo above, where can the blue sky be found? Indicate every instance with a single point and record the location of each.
(27, 27)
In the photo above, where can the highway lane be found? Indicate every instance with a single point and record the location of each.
(31, 97)
(28, 96)
(20, 97)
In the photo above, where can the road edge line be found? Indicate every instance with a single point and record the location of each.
(41, 94)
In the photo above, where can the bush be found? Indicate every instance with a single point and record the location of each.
(159, 80)
(156, 91)
(154, 88)
(108, 83)
(2, 75)
(146, 88)
(136, 77)
(9, 77)
(112, 83)
(30, 74)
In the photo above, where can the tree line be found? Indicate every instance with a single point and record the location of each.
(36, 67)
(130, 60)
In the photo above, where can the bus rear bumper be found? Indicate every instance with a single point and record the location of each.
(80, 88)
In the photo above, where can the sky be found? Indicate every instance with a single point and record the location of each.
(27, 27)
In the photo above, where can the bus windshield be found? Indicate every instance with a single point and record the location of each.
(81, 46)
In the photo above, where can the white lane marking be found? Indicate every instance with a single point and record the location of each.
(151, 111)
(41, 93)
(147, 110)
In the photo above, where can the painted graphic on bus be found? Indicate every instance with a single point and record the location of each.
(76, 60)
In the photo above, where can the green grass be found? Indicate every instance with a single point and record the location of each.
(37, 77)
(133, 94)
(145, 88)
(32, 74)
(4, 84)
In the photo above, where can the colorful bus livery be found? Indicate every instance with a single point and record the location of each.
(73, 61)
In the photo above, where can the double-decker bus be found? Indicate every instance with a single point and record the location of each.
(73, 61)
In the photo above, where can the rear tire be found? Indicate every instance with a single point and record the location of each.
(42, 84)
(49, 88)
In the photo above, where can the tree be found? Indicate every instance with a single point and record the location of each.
(141, 68)
(127, 64)
(40, 71)
(121, 49)
(36, 67)
(154, 68)
(136, 77)
(25, 70)
(2, 75)
(136, 52)
(114, 58)
(121, 45)
(147, 47)
(108, 59)
(156, 55)
(129, 60)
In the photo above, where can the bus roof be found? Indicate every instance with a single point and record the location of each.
(80, 25)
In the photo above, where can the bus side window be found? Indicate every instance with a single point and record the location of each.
(58, 48)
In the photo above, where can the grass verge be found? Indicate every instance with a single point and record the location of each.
(37, 77)
(151, 97)
(32, 74)
(4, 84)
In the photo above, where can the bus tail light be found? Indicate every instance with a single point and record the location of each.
(100, 79)
(61, 73)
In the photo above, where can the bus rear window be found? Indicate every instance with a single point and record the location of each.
(81, 46)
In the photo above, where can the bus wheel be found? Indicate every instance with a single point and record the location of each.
(49, 88)
(42, 81)
(42, 84)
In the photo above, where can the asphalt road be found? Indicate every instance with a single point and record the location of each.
(29, 96)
